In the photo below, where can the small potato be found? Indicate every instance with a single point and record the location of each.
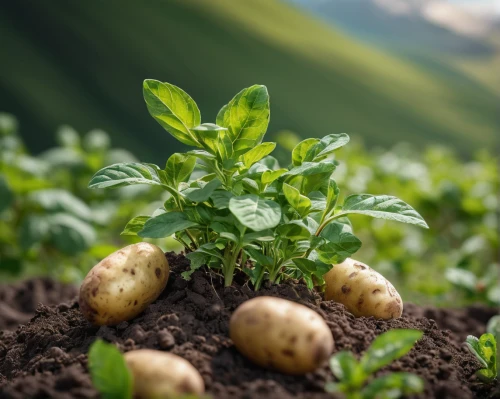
(159, 375)
(123, 284)
(362, 290)
(281, 335)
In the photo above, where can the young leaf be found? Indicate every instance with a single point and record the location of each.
(134, 226)
(383, 207)
(246, 116)
(300, 150)
(109, 372)
(203, 194)
(271, 175)
(310, 168)
(299, 202)
(257, 153)
(165, 225)
(208, 135)
(341, 243)
(346, 368)
(326, 146)
(388, 347)
(397, 384)
(332, 196)
(197, 259)
(173, 109)
(485, 350)
(254, 212)
(125, 174)
(179, 168)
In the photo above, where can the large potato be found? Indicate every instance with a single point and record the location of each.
(280, 334)
(362, 290)
(159, 375)
(123, 284)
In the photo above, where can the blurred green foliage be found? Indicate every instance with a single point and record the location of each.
(456, 260)
(50, 223)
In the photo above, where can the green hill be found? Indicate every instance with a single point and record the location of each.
(83, 63)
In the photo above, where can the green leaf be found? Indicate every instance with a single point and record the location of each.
(326, 146)
(204, 193)
(109, 371)
(165, 225)
(259, 257)
(197, 259)
(383, 207)
(221, 198)
(208, 135)
(318, 201)
(257, 153)
(485, 350)
(125, 174)
(461, 278)
(294, 230)
(57, 200)
(6, 195)
(179, 168)
(341, 243)
(393, 385)
(346, 368)
(134, 226)
(262, 236)
(34, 229)
(310, 268)
(300, 150)
(173, 109)
(254, 212)
(332, 196)
(388, 347)
(299, 202)
(310, 168)
(271, 175)
(246, 116)
(69, 234)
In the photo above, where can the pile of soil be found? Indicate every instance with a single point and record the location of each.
(47, 356)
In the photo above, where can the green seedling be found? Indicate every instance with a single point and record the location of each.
(355, 377)
(485, 350)
(109, 372)
(230, 201)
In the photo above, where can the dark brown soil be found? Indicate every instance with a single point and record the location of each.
(47, 356)
(19, 301)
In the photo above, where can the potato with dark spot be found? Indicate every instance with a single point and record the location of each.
(123, 284)
(362, 290)
(281, 335)
(159, 375)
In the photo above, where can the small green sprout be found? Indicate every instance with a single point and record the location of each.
(353, 375)
(485, 350)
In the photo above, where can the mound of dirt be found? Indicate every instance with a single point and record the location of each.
(47, 356)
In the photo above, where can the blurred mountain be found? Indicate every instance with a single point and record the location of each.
(409, 25)
(83, 63)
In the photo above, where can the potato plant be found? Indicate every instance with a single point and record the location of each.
(485, 350)
(355, 378)
(230, 201)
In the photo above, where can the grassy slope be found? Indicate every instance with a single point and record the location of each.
(88, 68)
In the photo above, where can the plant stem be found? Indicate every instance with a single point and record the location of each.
(230, 265)
(326, 222)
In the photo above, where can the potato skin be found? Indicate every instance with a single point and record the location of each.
(362, 290)
(123, 284)
(281, 335)
(162, 375)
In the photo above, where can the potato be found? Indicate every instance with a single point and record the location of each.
(281, 335)
(162, 375)
(123, 284)
(362, 290)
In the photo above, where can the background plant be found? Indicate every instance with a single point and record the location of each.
(355, 378)
(50, 223)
